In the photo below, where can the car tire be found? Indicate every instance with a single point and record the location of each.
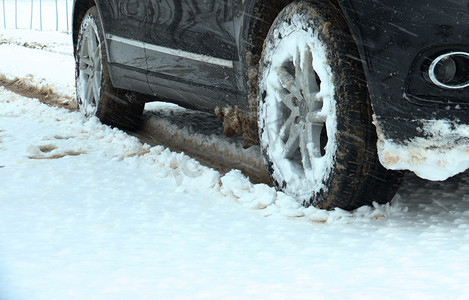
(95, 94)
(314, 112)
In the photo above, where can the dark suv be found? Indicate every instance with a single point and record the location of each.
(332, 90)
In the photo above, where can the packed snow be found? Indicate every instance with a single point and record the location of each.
(89, 212)
(444, 152)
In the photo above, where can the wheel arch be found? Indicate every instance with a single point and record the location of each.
(80, 7)
(259, 16)
(255, 28)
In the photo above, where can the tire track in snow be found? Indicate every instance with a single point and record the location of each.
(199, 135)
(46, 94)
(160, 131)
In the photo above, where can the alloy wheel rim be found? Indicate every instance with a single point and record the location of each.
(90, 71)
(299, 118)
(301, 122)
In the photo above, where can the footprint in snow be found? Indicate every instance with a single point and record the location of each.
(50, 151)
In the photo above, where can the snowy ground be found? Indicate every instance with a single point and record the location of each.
(89, 212)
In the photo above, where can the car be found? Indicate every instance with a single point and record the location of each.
(343, 96)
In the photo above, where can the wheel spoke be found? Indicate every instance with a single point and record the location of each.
(305, 76)
(298, 72)
(311, 88)
(96, 88)
(315, 118)
(97, 58)
(86, 61)
(286, 127)
(88, 93)
(305, 137)
(293, 141)
(88, 71)
(288, 82)
(287, 99)
(92, 45)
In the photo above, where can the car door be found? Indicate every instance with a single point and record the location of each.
(191, 51)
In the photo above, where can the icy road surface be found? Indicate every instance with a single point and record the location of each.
(89, 212)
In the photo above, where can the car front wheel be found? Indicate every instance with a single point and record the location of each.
(314, 112)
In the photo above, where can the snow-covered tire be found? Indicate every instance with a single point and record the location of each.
(314, 112)
(95, 94)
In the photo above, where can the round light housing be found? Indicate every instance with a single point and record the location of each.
(450, 70)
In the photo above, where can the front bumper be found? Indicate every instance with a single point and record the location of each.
(421, 127)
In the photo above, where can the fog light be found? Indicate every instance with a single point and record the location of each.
(450, 70)
(445, 70)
